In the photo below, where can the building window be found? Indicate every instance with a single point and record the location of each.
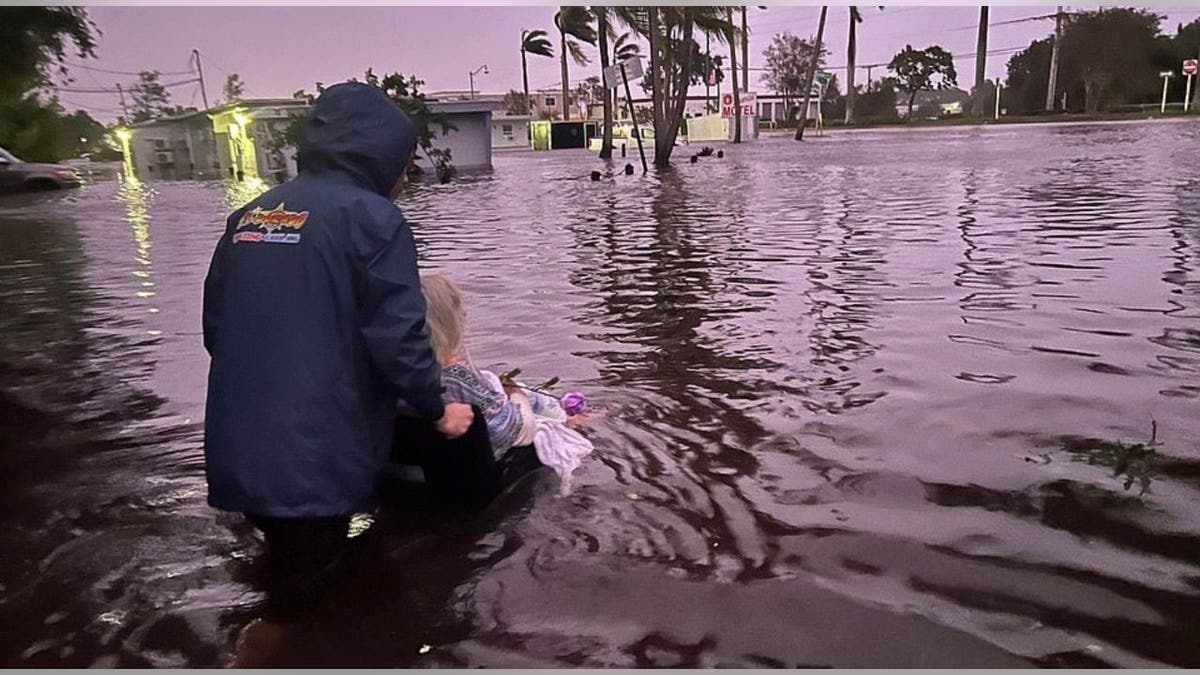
(550, 101)
(507, 130)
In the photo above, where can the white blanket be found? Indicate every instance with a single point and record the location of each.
(558, 446)
(561, 448)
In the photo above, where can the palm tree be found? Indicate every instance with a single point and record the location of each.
(671, 32)
(574, 25)
(532, 42)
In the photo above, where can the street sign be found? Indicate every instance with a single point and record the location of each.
(1190, 66)
(633, 70)
(749, 101)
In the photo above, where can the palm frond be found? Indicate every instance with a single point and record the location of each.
(537, 43)
(576, 52)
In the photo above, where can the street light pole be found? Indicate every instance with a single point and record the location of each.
(472, 75)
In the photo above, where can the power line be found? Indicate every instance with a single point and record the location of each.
(70, 90)
(72, 64)
(1004, 23)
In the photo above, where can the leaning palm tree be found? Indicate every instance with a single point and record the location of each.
(574, 26)
(532, 42)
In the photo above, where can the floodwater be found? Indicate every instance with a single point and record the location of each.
(880, 399)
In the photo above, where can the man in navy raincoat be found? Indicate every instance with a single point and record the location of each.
(315, 322)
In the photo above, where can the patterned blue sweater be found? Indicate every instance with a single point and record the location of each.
(463, 383)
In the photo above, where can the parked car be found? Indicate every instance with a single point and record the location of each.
(16, 175)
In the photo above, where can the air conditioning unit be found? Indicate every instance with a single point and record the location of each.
(165, 158)
(159, 143)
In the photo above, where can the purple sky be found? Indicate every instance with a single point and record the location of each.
(278, 50)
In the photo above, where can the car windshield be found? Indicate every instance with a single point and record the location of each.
(4, 154)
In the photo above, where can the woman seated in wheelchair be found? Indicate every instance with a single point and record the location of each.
(511, 411)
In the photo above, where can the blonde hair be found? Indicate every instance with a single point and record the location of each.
(445, 315)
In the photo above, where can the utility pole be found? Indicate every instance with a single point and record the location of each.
(200, 73)
(851, 52)
(980, 61)
(745, 53)
(708, 77)
(124, 109)
(812, 72)
(737, 100)
(1053, 84)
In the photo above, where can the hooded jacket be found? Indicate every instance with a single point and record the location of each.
(315, 322)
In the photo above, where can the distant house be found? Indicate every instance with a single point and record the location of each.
(510, 132)
(933, 104)
(246, 133)
(180, 146)
(470, 142)
(547, 105)
(234, 140)
(774, 109)
(241, 139)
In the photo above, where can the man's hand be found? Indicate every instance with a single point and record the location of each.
(456, 420)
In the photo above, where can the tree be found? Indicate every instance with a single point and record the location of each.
(923, 70)
(878, 101)
(788, 60)
(33, 42)
(532, 42)
(405, 90)
(1028, 73)
(1092, 74)
(671, 32)
(574, 25)
(1106, 74)
(40, 130)
(515, 103)
(150, 98)
(234, 88)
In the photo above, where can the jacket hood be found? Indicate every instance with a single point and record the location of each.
(357, 129)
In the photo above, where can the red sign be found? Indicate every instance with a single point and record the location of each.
(1190, 66)
(748, 100)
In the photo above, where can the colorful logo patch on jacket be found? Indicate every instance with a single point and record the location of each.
(274, 224)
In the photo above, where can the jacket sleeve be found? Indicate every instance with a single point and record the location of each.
(393, 320)
(214, 284)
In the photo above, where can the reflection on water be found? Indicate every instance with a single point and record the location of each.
(879, 399)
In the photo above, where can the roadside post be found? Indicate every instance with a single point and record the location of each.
(1166, 75)
(628, 68)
